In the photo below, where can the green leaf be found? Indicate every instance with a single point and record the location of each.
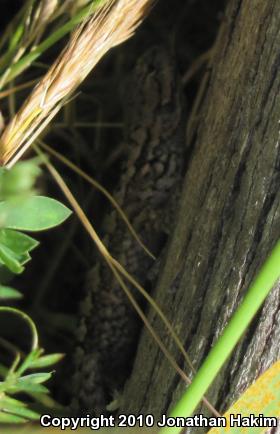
(20, 179)
(19, 411)
(26, 413)
(8, 401)
(38, 378)
(46, 401)
(8, 258)
(3, 386)
(35, 213)
(16, 246)
(46, 361)
(11, 418)
(18, 408)
(26, 386)
(7, 293)
(24, 258)
(17, 241)
(29, 359)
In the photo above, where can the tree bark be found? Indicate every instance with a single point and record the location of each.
(228, 219)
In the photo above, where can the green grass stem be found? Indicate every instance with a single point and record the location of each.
(259, 289)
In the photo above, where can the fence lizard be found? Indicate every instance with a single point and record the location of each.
(154, 133)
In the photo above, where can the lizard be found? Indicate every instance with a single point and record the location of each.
(154, 112)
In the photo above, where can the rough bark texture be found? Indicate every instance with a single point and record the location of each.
(228, 221)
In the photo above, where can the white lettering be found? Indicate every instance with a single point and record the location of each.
(45, 420)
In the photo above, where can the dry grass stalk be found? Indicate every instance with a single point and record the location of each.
(42, 16)
(111, 24)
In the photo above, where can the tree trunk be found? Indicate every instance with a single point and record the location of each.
(228, 221)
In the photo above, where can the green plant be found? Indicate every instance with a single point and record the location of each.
(21, 209)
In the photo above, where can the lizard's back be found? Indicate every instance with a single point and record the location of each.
(154, 134)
